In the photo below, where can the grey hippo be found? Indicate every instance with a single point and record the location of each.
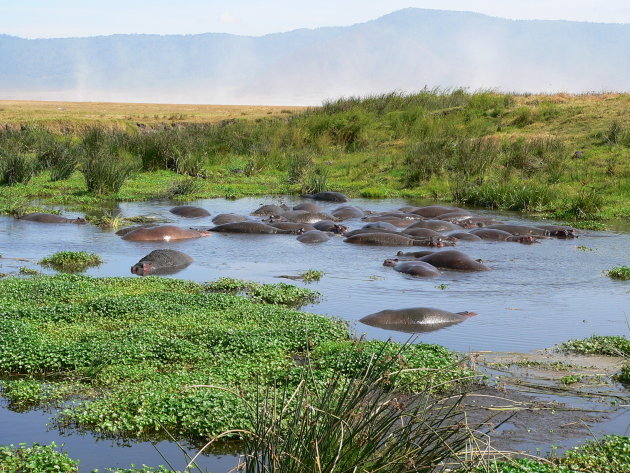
(51, 218)
(347, 212)
(249, 227)
(189, 211)
(416, 319)
(494, 234)
(380, 226)
(229, 218)
(437, 225)
(559, 231)
(464, 236)
(414, 254)
(386, 239)
(519, 229)
(330, 226)
(302, 216)
(308, 206)
(314, 236)
(296, 228)
(271, 209)
(453, 259)
(163, 233)
(327, 196)
(413, 268)
(432, 211)
(161, 262)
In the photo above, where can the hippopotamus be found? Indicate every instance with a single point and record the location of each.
(161, 262)
(249, 227)
(229, 218)
(559, 231)
(189, 211)
(271, 209)
(417, 319)
(371, 230)
(453, 259)
(163, 233)
(327, 196)
(397, 222)
(384, 239)
(381, 226)
(314, 236)
(330, 226)
(409, 209)
(519, 229)
(414, 254)
(413, 268)
(302, 216)
(308, 206)
(296, 228)
(421, 232)
(478, 222)
(124, 231)
(437, 225)
(400, 215)
(465, 236)
(432, 211)
(456, 216)
(347, 212)
(51, 218)
(499, 235)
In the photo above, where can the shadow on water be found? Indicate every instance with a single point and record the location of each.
(535, 296)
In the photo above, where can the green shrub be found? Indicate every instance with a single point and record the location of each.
(35, 459)
(105, 173)
(16, 167)
(71, 261)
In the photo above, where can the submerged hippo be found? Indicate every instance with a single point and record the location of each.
(271, 209)
(51, 218)
(421, 232)
(464, 236)
(229, 218)
(314, 236)
(327, 196)
(456, 216)
(161, 262)
(453, 259)
(477, 222)
(413, 268)
(347, 212)
(519, 229)
(414, 254)
(330, 226)
(380, 226)
(559, 231)
(124, 231)
(163, 233)
(302, 216)
(249, 227)
(296, 228)
(416, 319)
(432, 211)
(308, 206)
(437, 225)
(189, 211)
(384, 239)
(494, 234)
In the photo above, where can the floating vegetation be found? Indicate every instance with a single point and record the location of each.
(71, 261)
(620, 273)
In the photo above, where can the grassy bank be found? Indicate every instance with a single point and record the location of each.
(120, 352)
(565, 156)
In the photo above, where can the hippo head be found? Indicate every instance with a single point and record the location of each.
(390, 262)
(436, 241)
(400, 253)
(80, 220)
(468, 313)
(300, 231)
(526, 239)
(142, 268)
(340, 229)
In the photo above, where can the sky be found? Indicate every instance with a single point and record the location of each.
(78, 18)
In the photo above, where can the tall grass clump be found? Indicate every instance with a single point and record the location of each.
(316, 180)
(298, 166)
(584, 205)
(508, 196)
(104, 172)
(17, 167)
(618, 133)
(540, 155)
(71, 261)
(60, 159)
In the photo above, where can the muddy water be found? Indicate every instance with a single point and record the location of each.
(535, 296)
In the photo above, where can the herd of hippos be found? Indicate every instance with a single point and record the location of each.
(430, 226)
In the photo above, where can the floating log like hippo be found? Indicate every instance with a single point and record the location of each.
(437, 225)
(308, 206)
(51, 218)
(432, 211)
(161, 262)
(302, 216)
(384, 239)
(464, 236)
(189, 211)
(559, 231)
(296, 228)
(519, 229)
(347, 212)
(413, 268)
(314, 236)
(163, 233)
(330, 226)
(249, 227)
(271, 209)
(229, 218)
(327, 196)
(417, 319)
(453, 259)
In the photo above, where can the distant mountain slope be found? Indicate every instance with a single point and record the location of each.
(404, 50)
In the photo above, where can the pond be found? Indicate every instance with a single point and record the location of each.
(535, 296)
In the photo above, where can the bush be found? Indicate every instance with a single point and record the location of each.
(71, 261)
(106, 173)
(16, 167)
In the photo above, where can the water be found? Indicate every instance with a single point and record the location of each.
(535, 296)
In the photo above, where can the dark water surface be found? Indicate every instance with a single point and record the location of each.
(535, 296)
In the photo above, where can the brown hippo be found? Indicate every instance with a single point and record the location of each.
(417, 319)
(124, 231)
(371, 230)
(189, 211)
(229, 218)
(380, 226)
(432, 211)
(302, 216)
(327, 196)
(271, 209)
(559, 231)
(296, 228)
(308, 206)
(384, 239)
(519, 229)
(330, 226)
(249, 227)
(421, 232)
(347, 212)
(408, 209)
(453, 259)
(401, 215)
(314, 236)
(465, 236)
(161, 262)
(413, 268)
(163, 233)
(456, 216)
(437, 225)
(414, 254)
(493, 234)
(397, 222)
(478, 222)
(51, 218)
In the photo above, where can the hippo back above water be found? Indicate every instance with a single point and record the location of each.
(417, 319)
(327, 196)
(189, 211)
(163, 233)
(164, 261)
(51, 218)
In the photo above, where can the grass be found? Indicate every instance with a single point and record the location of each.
(116, 354)
(612, 345)
(489, 149)
(620, 273)
(71, 261)
(36, 459)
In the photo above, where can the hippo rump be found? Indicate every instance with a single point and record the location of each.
(518, 230)
(270, 209)
(124, 231)
(464, 236)
(380, 226)
(249, 227)
(453, 259)
(229, 218)
(384, 239)
(413, 268)
(432, 211)
(302, 216)
(51, 218)
(330, 226)
(163, 233)
(189, 211)
(292, 227)
(347, 212)
(416, 319)
(161, 262)
(493, 234)
(314, 236)
(436, 225)
(327, 196)
(308, 206)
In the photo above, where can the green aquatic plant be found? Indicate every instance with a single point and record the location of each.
(613, 345)
(36, 459)
(71, 261)
(312, 275)
(26, 271)
(620, 273)
(280, 293)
